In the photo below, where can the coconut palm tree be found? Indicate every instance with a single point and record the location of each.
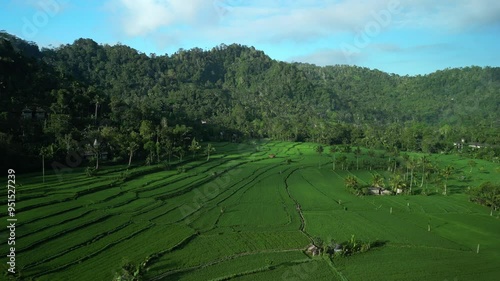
(46, 152)
(332, 151)
(195, 146)
(342, 160)
(319, 149)
(423, 162)
(352, 184)
(371, 154)
(446, 173)
(357, 152)
(397, 183)
(411, 164)
(378, 181)
(208, 150)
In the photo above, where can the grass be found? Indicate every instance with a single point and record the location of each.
(245, 216)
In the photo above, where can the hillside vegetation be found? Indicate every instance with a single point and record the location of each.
(124, 98)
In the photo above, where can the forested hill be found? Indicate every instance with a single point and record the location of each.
(88, 91)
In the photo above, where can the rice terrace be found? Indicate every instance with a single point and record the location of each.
(234, 140)
(243, 215)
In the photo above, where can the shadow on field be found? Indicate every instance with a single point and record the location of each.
(378, 243)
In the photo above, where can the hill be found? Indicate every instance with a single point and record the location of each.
(89, 91)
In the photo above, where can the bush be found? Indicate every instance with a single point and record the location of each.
(487, 194)
(352, 247)
(365, 191)
(91, 171)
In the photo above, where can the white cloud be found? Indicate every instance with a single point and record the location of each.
(273, 20)
(147, 16)
(450, 15)
(323, 57)
(276, 21)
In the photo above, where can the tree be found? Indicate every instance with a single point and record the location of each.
(371, 154)
(195, 146)
(46, 152)
(208, 150)
(357, 152)
(333, 150)
(342, 160)
(411, 164)
(179, 150)
(96, 148)
(133, 145)
(151, 147)
(169, 148)
(146, 131)
(377, 181)
(446, 173)
(319, 149)
(397, 183)
(487, 194)
(423, 163)
(352, 183)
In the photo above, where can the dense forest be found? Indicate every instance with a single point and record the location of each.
(96, 100)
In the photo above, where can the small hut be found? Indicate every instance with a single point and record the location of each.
(313, 250)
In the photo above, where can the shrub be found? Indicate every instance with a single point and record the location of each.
(352, 247)
(91, 171)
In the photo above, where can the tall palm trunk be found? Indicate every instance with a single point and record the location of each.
(130, 157)
(411, 179)
(97, 161)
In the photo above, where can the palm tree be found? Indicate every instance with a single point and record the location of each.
(377, 181)
(351, 183)
(411, 164)
(446, 173)
(342, 160)
(357, 152)
(333, 150)
(397, 183)
(371, 154)
(169, 148)
(393, 154)
(195, 146)
(423, 163)
(46, 151)
(319, 149)
(132, 147)
(180, 152)
(209, 149)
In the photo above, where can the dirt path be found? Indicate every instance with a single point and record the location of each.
(297, 206)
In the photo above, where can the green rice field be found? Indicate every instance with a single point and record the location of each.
(243, 215)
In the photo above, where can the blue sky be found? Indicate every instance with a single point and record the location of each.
(396, 36)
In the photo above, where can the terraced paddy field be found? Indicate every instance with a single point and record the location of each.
(245, 216)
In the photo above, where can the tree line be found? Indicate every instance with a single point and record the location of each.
(115, 101)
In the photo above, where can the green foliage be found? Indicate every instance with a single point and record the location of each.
(233, 92)
(354, 246)
(130, 272)
(487, 194)
(91, 171)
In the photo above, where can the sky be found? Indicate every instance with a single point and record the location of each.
(409, 37)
